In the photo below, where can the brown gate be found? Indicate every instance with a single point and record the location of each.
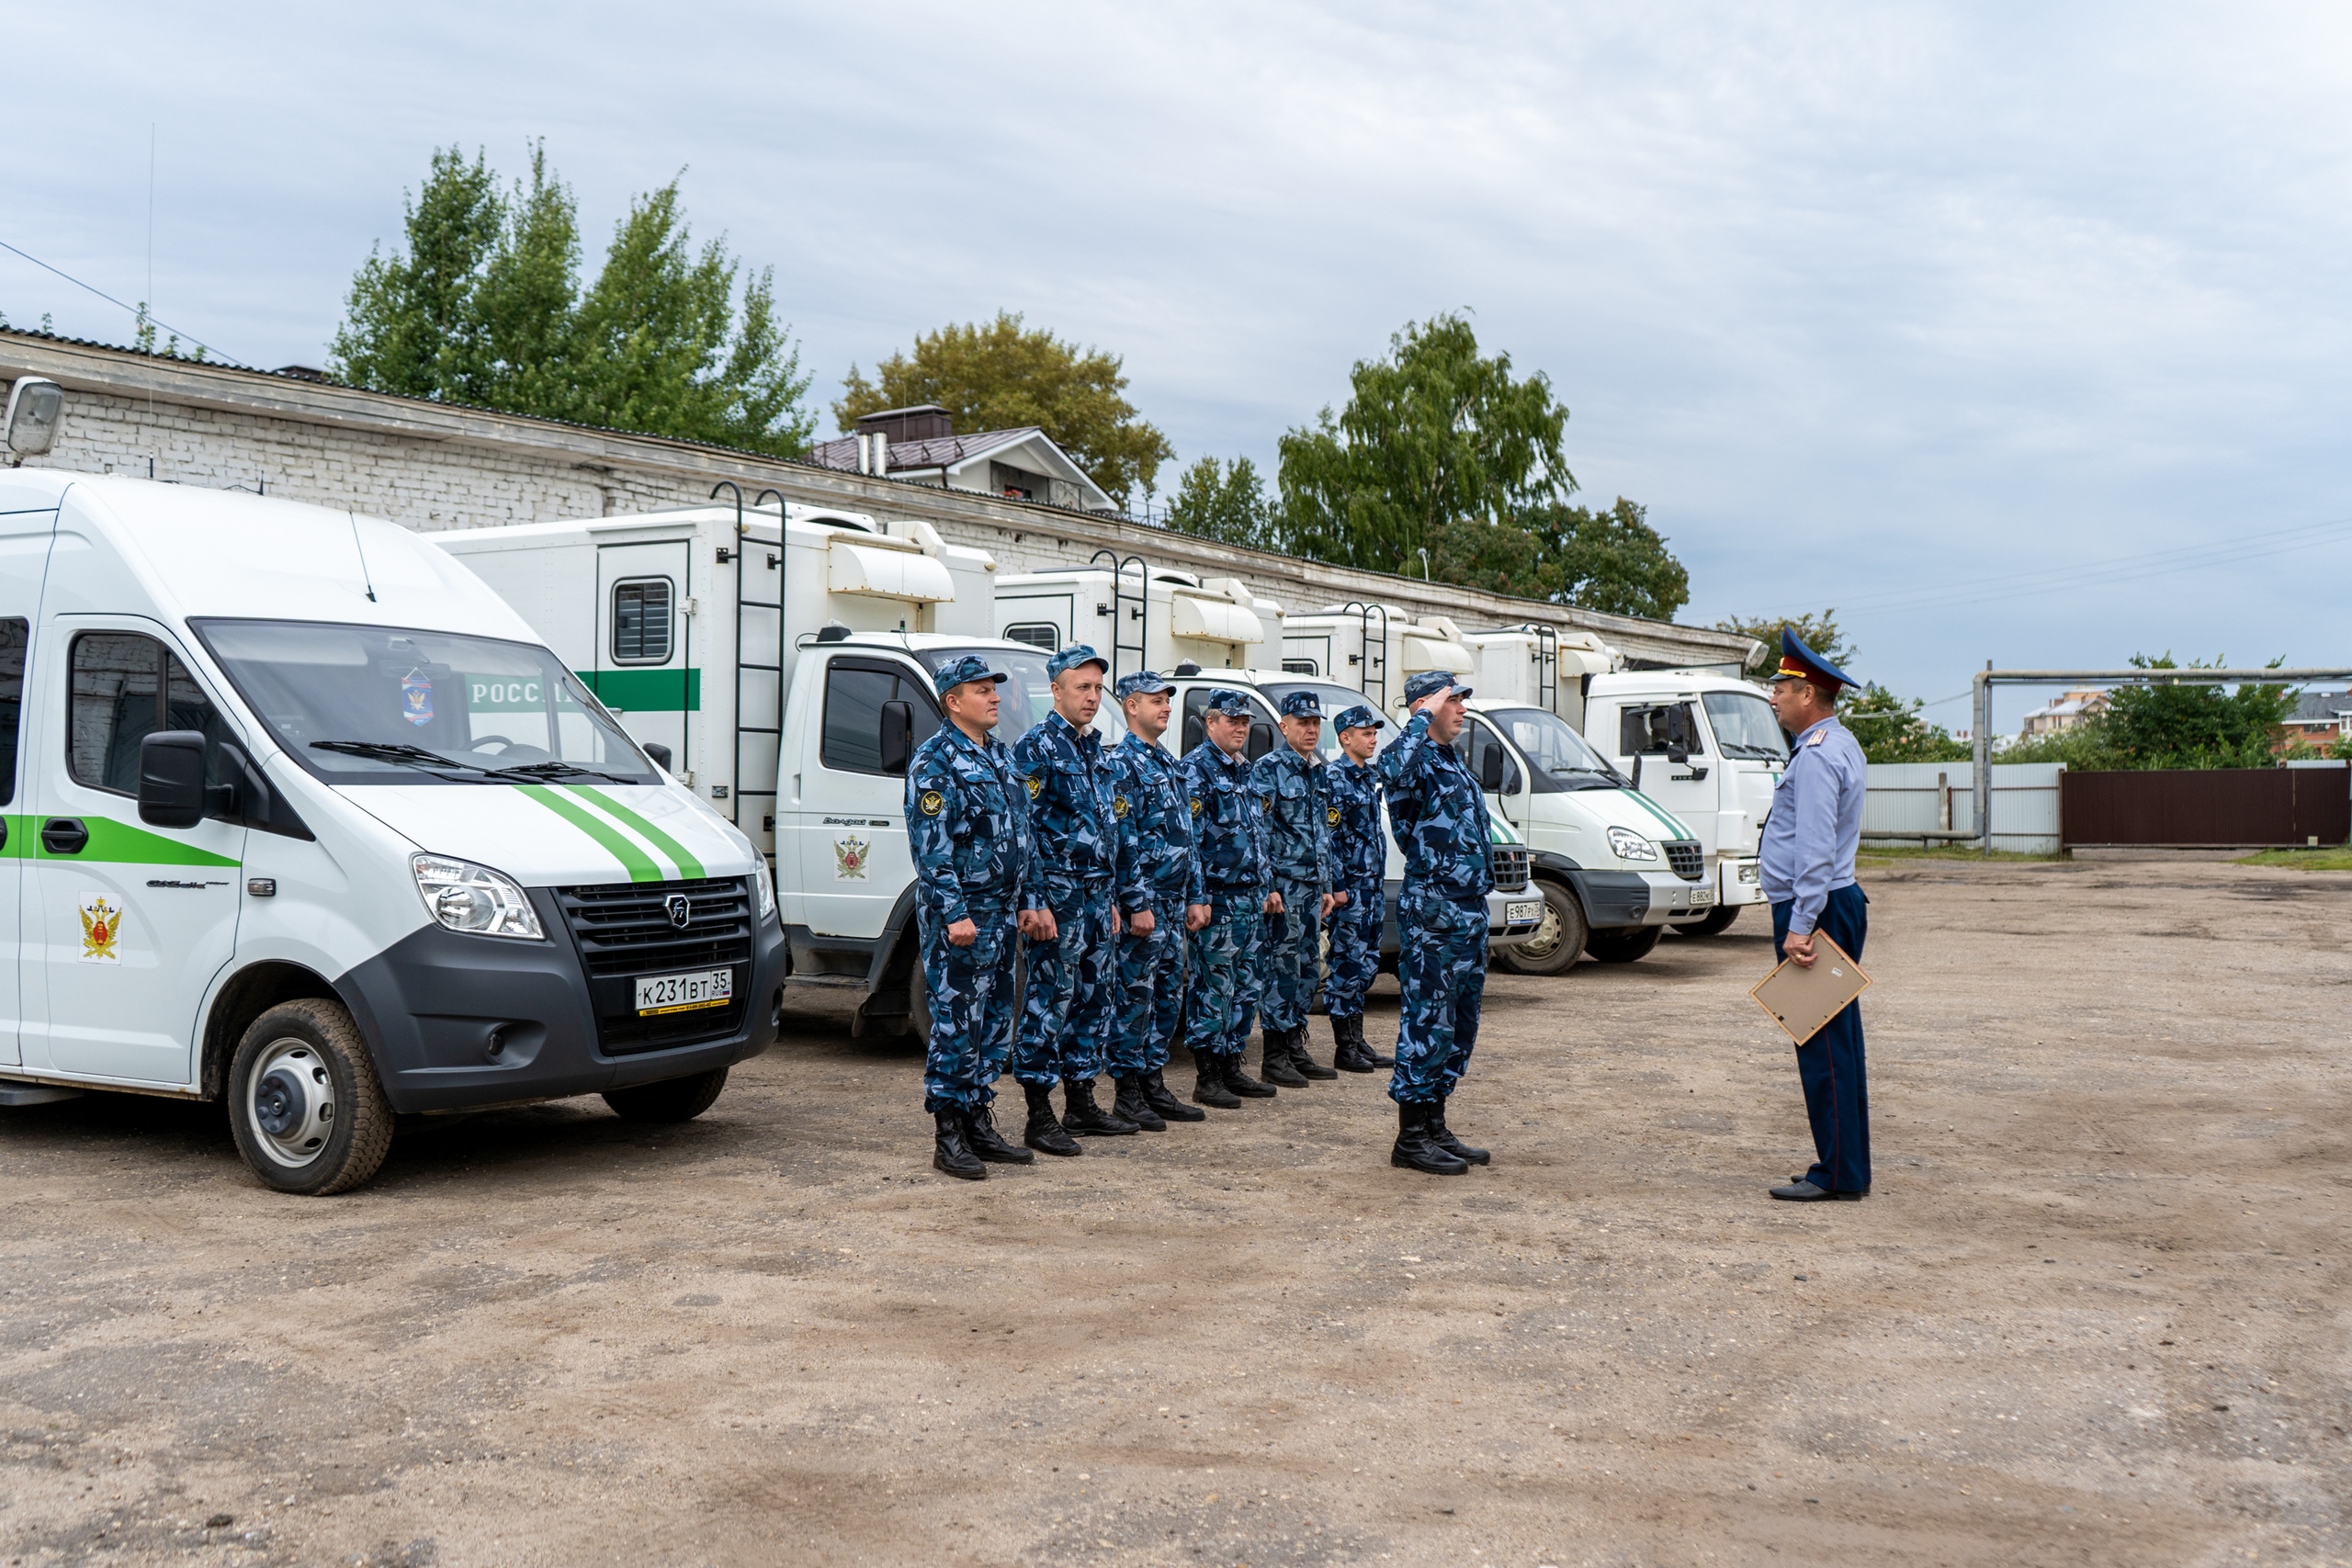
(2205, 808)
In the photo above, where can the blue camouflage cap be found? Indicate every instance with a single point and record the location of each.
(1427, 681)
(1144, 680)
(1071, 658)
(1357, 718)
(956, 671)
(1302, 704)
(1227, 701)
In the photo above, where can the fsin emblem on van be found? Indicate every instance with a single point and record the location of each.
(417, 698)
(101, 929)
(851, 855)
(679, 910)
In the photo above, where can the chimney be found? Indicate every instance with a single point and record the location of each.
(873, 452)
(923, 422)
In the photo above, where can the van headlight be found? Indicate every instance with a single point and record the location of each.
(768, 883)
(1626, 844)
(469, 897)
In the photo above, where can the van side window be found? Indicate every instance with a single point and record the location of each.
(1042, 635)
(1472, 746)
(1652, 729)
(16, 634)
(855, 692)
(126, 687)
(641, 621)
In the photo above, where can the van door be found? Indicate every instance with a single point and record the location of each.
(16, 640)
(136, 921)
(1476, 744)
(644, 669)
(1647, 730)
(851, 819)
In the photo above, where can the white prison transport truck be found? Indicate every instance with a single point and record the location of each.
(1142, 619)
(304, 818)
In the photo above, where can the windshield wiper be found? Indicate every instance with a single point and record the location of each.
(394, 751)
(552, 769)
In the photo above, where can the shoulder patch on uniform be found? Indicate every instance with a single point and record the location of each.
(1331, 816)
(1196, 805)
(1036, 786)
(1118, 805)
(932, 803)
(1818, 737)
(1266, 805)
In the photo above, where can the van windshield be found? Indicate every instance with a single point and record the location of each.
(377, 705)
(1744, 727)
(1551, 745)
(1335, 700)
(1027, 696)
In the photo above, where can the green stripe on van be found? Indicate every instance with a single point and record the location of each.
(116, 843)
(640, 868)
(645, 691)
(687, 865)
(1677, 828)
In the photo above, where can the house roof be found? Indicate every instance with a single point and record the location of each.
(2322, 708)
(1023, 445)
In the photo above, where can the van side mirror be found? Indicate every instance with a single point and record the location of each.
(171, 778)
(1262, 740)
(898, 737)
(1490, 770)
(1677, 754)
(660, 753)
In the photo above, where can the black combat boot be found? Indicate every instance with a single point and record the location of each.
(1273, 1058)
(1300, 1061)
(1348, 1054)
(1238, 1080)
(950, 1152)
(1082, 1118)
(980, 1130)
(1129, 1105)
(1045, 1130)
(1208, 1083)
(1370, 1054)
(1414, 1151)
(1165, 1104)
(1443, 1136)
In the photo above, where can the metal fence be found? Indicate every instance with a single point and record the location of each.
(1936, 802)
(2214, 807)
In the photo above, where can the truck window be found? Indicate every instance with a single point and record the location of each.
(1650, 731)
(16, 632)
(1472, 746)
(125, 688)
(1196, 703)
(855, 692)
(1745, 725)
(641, 621)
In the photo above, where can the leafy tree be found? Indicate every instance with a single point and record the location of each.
(1003, 375)
(1818, 633)
(1892, 730)
(485, 307)
(2177, 725)
(1432, 435)
(1226, 502)
(1611, 560)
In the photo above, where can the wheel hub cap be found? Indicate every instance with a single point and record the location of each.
(290, 1106)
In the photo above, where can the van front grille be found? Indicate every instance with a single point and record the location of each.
(626, 930)
(1510, 863)
(1689, 861)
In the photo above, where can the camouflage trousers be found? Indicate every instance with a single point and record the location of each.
(1291, 961)
(1441, 970)
(1152, 989)
(1354, 928)
(970, 991)
(1071, 1005)
(1223, 974)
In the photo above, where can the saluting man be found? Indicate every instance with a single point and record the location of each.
(1439, 818)
(1806, 869)
(1236, 888)
(967, 823)
(1158, 885)
(1359, 857)
(1066, 910)
(1298, 849)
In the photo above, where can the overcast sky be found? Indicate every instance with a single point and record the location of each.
(2015, 331)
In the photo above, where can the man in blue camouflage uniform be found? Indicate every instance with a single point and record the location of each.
(1298, 849)
(1805, 868)
(968, 824)
(1229, 848)
(1439, 818)
(1158, 884)
(1359, 857)
(1068, 910)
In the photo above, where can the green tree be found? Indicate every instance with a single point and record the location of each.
(1001, 374)
(1226, 502)
(1432, 435)
(1892, 730)
(1818, 633)
(1611, 560)
(2179, 724)
(485, 307)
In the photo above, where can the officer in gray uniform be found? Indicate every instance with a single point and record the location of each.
(1159, 882)
(1439, 818)
(1298, 848)
(1359, 858)
(1806, 869)
(967, 823)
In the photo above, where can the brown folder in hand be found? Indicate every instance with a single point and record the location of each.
(1801, 1001)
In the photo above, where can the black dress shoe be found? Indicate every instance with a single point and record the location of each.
(1801, 1191)
(1044, 1133)
(1084, 1119)
(979, 1131)
(950, 1154)
(1165, 1104)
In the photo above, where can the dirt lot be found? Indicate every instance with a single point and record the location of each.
(2096, 1311)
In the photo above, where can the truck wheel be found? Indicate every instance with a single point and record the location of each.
(1624, 945)
(673, 1100)
(1718, 921)
(1558, 938)
(918, 1005)
(303, 1101)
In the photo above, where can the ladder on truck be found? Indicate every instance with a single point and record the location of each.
(1375, 658)
(764, 821)
(1120, 613)
(1548, 666)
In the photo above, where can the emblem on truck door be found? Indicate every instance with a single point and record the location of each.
(679, 910)
(101, 929)
(850, 854)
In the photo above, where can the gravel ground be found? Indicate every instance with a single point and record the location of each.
(2095, 1313)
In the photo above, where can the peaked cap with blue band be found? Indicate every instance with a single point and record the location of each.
(1428, 681)
(1357, 718)
(1799, 662)
(1071, 658)
(1302, 704)
(1225, 700)
(1148, 681)
(971, 667)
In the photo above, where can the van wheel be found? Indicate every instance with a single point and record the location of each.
(673, 1100)
(303, 1101)
(918, 1004)
(1718, 921)
(1625, 945)
(1558, 938)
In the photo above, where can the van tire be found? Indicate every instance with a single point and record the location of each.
(918, 1004)
(1557, 941)
(1718, 920)
(1624, 945)
(304, 1105)
(672, 1099)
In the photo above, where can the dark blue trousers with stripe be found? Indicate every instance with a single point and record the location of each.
(1837, 1098)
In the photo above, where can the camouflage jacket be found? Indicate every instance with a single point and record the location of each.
(1436, 815)
(1228, 826)
(1298, 839)
(1352, 811)
(1068, 781)
(1152, 807)
(968, 824)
